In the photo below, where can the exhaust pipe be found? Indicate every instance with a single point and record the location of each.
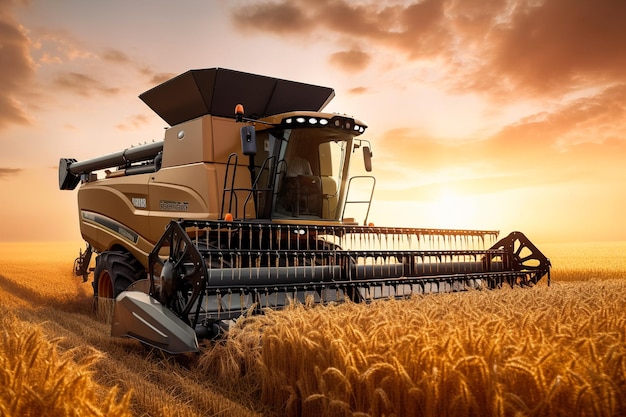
(139, 316)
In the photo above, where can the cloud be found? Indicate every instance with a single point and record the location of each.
(358, 91)
(17, 71)
(156, 78)
(353, 60)
(461, 186)
(595, 119)
(133, 123)
(82, 84)
(56, 55)
(491, 46)
(583, 140)
(57, 46)
(115, 56)
(274, 17)
(22, 55)
(410, 147)
(560, 45)
(9, 172)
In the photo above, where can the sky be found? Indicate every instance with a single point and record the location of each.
(483, 114)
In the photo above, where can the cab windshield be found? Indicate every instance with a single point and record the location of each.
(307, 168)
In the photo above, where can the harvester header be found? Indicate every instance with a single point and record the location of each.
(246, 205)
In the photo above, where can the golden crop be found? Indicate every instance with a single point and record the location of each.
(543, 351)
(37, 380)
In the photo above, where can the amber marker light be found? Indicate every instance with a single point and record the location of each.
(239, 112)
(228, 217)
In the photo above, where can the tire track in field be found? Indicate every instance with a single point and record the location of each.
(17, 293)
(162, 385)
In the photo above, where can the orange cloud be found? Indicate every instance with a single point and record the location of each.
(57, 46)
(277, 18)
(135, 122)
(493, 46)
(116, 56)
(17, 71)
(358, 91)
(559, 45)
(353, 60)
(592, 119)
(28, 57)
(157, 78)
(82, 84)
(583, 139)
(9, 172)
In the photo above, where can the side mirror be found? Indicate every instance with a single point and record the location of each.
(367, 158)
(248, 140)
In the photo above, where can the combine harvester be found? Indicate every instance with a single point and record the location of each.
(241, 210)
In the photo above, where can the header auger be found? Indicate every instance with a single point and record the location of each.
(238, 211)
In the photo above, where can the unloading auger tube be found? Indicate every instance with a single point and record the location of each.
(204, 273)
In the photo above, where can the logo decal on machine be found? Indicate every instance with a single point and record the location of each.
(139, 202)
(173, 205)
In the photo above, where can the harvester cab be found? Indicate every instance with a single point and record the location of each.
(304, 163)
(242, 207)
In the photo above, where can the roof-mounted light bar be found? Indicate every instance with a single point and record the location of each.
(341, 122)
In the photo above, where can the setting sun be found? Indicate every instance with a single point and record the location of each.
(457, 210)
(472, 122)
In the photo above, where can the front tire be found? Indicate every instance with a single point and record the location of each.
(114, 272)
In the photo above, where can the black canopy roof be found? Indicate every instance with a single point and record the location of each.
(217, 91)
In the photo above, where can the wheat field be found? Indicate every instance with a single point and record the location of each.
(542, 351)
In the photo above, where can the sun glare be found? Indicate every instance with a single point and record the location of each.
(448, 209)
(452, 209)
